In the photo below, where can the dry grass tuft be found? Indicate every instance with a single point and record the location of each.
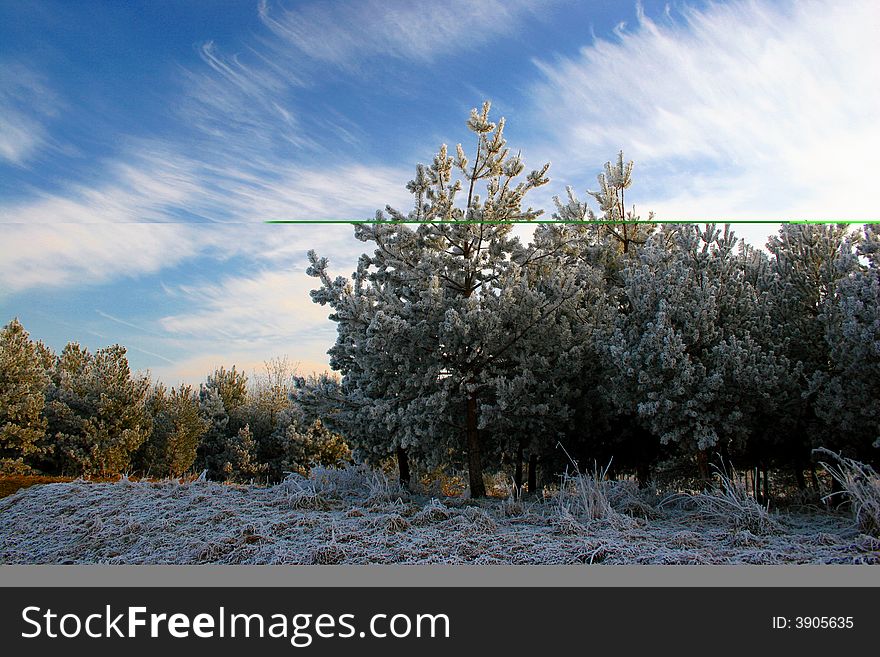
(586, 498)
(861, 484)
(434, 511)
(391, 523)
(479, 519)
(328, 554)
(625, 496)
(731, 503)
(303, 493)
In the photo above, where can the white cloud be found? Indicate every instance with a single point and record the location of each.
(242, 104)
(147, 186)
(746, 110)
(343, 191)
(419, 31)
(132, 224)
(244, 320)
(270, 306)
(72, 255)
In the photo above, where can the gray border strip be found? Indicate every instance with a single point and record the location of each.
(440, 576)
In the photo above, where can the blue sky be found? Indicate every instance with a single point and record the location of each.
(142, 144)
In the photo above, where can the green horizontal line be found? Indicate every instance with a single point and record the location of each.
(579, 223)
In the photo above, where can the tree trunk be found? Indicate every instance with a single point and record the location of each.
(759, 494)
(799, 476)
(403, 466)
(643, 473)
(475, 464)
(766, 482)
(533, 473)
(517, 468)
(703, 465)
(814, 478)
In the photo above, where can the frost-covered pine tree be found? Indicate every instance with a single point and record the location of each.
(231, 385)
(23, 381)
(530, 382)
(593, 249)
(97, 411)
(809, 260)
(418, 341)
(240, 462)
(848, 393)
(616, 231)
(177, 429)
(210, 454)
(684, 353)
(307, 446)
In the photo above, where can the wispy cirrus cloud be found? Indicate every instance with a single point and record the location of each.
(419, 31)
(742, 110)
(27, 104)
(40, 256)
(243, 102)
(159, 210)
(146, 186)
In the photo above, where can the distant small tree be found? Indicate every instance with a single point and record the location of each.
(210, 453)
(308, 446)
(177, 430)
(267, 412)
(240, 459)
(231, 385)
(97, 411)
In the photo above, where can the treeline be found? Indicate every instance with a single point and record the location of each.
(83, 413)
(604, 338)
(661, 346)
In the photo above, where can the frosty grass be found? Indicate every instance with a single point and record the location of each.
(355, 516)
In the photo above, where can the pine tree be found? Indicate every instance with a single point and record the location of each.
(417, 344)
(809, 260)
(848, 393)
(593, 250)
(268, 411)
(22, 383)
(240, 463)
(97, 411)
(210, 454)
(177, 430)
(231, 385)
(684, 353)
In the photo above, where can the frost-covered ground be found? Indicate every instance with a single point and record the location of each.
(356, 517)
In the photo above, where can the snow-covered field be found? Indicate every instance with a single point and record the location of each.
(355, 516)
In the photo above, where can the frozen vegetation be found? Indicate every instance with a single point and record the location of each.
(667, 349)
(356, 516)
